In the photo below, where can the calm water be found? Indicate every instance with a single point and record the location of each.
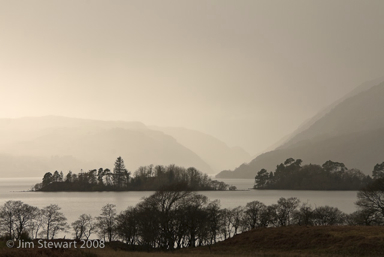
(74, 204)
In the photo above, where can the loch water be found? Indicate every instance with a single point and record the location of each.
(73, 204)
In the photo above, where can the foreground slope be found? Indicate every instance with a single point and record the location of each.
(306, 241)
(352, 132)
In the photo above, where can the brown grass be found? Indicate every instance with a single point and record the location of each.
(305, 241)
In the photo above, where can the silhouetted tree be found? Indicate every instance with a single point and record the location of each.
(47, 179)
(84, 226)
(371, 199)
(100, 175)
(285, 209)
(252, 215)
(53, 221)
(36, 224)
(15, 217)
(261, 178)
(127, 226)
(106, 222)
(118, 172)
(331, 166)
(68, 177)
(330, 176)
(304, 216)
(328, 216)
(378, 171)
(56, 176)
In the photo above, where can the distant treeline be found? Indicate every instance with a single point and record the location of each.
(148, 178)
(330, 176)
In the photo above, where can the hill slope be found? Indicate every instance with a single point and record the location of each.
(33, 146)
(304, 241)
(352, 132)
(216, 153)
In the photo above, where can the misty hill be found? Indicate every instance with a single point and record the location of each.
(293, 137)
(351, 132)
(213, 151)
(32, 146)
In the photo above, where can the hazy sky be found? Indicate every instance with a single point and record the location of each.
(247, 72)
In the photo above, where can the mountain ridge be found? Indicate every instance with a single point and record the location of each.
(34, 145)
(351, 132)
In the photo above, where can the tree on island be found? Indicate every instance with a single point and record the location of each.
(331, 166)
(145, 178)
(47, 179)
(120, 173)
(378, 171)
(261, 178)
(330, 176)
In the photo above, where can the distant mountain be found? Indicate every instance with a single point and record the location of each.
(350, 131)
(216, 153)
(32, 146)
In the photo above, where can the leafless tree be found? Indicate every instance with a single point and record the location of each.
(252, 215)
(285, 209)
(304, 216)
(372, 198)
(327, 216)
(53, 221)
(84, 226)
(15, 217)
(106, 222)
(127, 225)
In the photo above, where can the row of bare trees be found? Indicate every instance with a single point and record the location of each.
(166, 220)
(19, 220)
(177, 219)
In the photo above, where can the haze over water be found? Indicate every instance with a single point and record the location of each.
(208, 84)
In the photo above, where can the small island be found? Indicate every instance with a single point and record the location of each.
(291, 175)
(146, 178)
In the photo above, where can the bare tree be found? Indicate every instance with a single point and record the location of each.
(237, 218)
(327, 216)
(15, 217)
(24, 217)
(36, 224)
(285, 209)
(127, 225)
(226, 223)
(192, 208)
(106, 222)
(372, 198)
(84, 226)
(53, 221)
(7, 217)
(304, 216)
(365, 217)
(252, 215)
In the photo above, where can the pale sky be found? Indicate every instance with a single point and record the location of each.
(247, 72)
